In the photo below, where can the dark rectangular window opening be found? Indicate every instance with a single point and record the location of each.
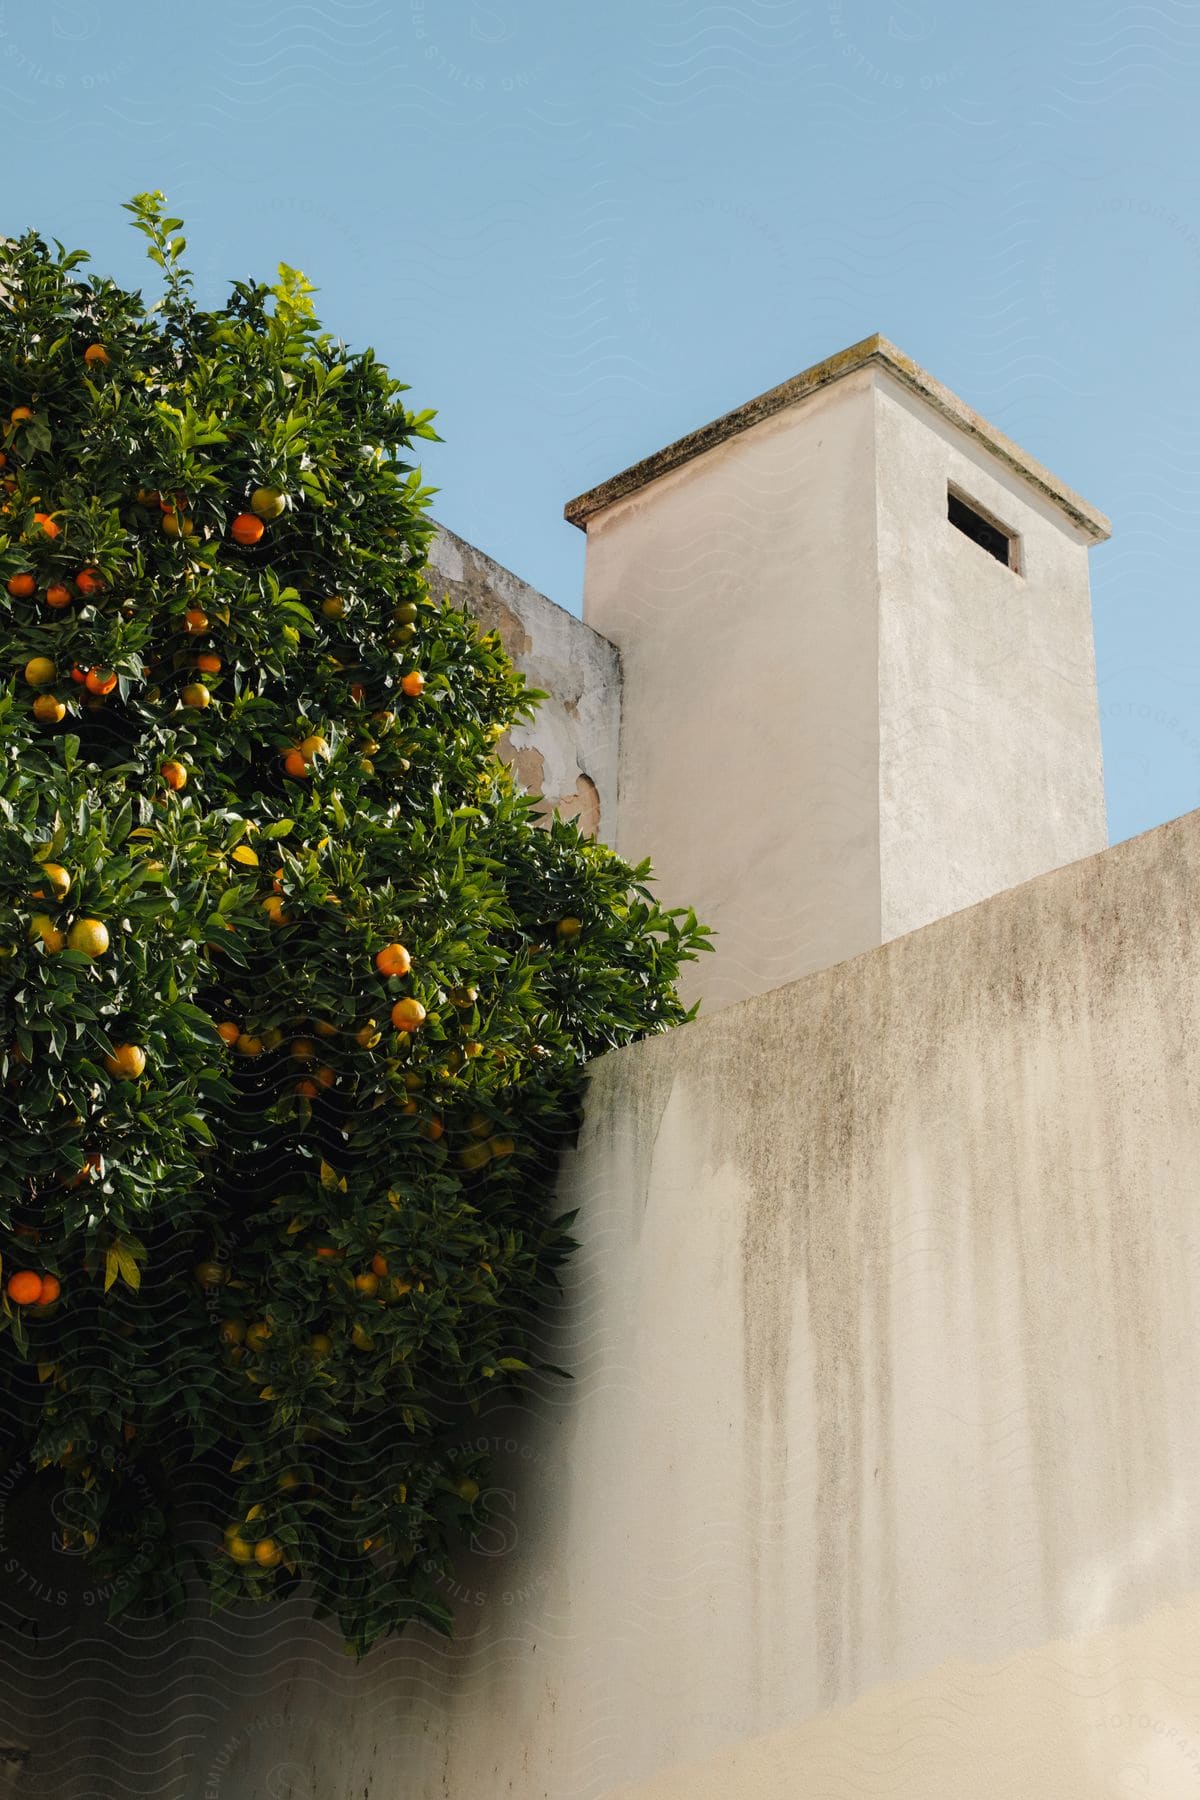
(988, 533)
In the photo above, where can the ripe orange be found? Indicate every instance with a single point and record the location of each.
(303, 1049)
(408, 1015)
(379, 1265)
(90, 582)
(147, 497)
(393, 959)
(127, 1062)
(96, 356)
(24, 1288)
(295, 765)
(174, 774)
(78, 675)
(307, 1090)
(368, 1035)
(89, 937)
(100, 681)
(57, 595)
(196, 695)
(327, 1253)
(248, 1044)
(42, 926)
(367, 1284)
(209, 663)
(273, 907)
(23, 586)
(358, 692)
(413, 684)
(50, 1290)
(48, 527)
(313, 746)
(435, 1129)
(228, 1032)
(20, 415)
(60, 882)
(246, 529)
(326, 1076)
(241, 1550)
(267, 1553)
(320, 1344)
(333, 606)
(48, 709)
(195, 621)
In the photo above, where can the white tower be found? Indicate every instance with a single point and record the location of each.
(859, 677)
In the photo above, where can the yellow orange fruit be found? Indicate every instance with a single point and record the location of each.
(126, 1061)
(408, 1015)
(96, 356)
(42, 926)
(59, 879)
(89, 937)
(48, 709)
(267, 502)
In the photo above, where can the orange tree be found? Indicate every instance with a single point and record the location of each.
(294, 995)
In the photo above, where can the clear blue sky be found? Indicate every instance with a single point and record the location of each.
(579, 231)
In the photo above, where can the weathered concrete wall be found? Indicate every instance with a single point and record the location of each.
(569, 753)
(879, 1472)
(741, 591)
(842, 717)
(990, 769)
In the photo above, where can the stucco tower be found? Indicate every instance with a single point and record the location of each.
(859, 675)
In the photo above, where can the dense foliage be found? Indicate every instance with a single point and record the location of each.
(294, 995)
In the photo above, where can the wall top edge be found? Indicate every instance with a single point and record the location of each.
(874, 351)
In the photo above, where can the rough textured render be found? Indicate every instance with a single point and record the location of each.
(569, 753)
(842, 717)
(878, 1472)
